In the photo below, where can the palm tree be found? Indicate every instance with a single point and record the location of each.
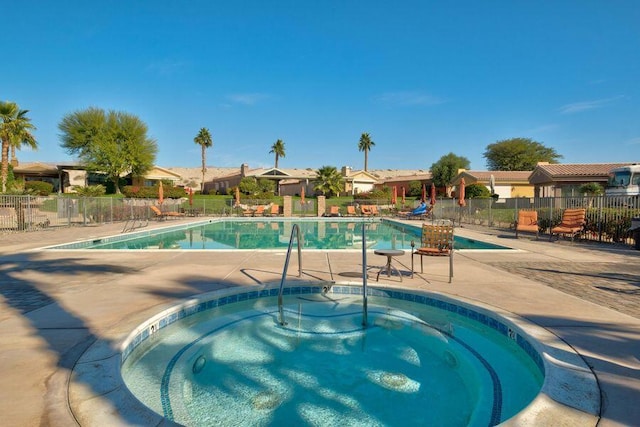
(15, 129)
(22, 138)
(365, 145)
(204, 140)
(328, 181)
(278, 149)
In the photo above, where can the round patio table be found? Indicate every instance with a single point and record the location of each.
(389, 253)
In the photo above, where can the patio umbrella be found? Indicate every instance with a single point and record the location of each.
(394, 195)
(461, 201)
(423, 198)
(403, 198)
(160, 193)
(302, 195)
(190, 196)
(237, 196)
(432, 200)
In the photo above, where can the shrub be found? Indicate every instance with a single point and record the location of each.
(90, 191)
(40, 188)
(477, 191)
(168, 191)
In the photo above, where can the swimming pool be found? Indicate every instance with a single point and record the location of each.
(234, 234)
(224, 359)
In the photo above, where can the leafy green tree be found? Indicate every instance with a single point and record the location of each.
(204, 140)
(249, 185)
(15, 130)
(476, 191)
(365, 145)
(518, 154)
(114, 143)
(591, 189)
(446, 168)
(266, 185)
(278, 149)
(329, 181)
(415, 189)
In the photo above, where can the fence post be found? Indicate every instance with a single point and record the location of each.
(600, 203)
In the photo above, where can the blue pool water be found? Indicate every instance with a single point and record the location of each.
(228, 361)
(274, 234)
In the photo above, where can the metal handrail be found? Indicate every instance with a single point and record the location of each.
(296, 230)
(364, 276)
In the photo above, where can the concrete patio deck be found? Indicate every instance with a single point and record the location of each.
(56, 305)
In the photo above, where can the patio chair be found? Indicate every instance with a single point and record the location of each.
(374, 210)
(351, 210)
(572, 223)
(527, 221)
(164, 214)
(436, 240)
(366, 210)
(259, 211)
(334, 211)
(273, 211)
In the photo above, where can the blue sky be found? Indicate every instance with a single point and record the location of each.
(423, 78)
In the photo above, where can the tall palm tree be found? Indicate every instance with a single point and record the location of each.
(23, 137)
(365, 145)
(15, 129)
(278, 149)
(329, 181)
(204, 140)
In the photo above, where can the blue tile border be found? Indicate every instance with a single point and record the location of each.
(462, 310)
(468, 312)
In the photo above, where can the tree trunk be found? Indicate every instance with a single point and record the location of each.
(116, 184)
(5, 164)
(204, 169)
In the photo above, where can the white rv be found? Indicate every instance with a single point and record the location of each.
(624, 181)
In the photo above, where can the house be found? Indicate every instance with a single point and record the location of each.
(506, 184)
(65, 177)
(154, 175)
(402, 180)
(564, 180)
(359, 181)
(288, 182)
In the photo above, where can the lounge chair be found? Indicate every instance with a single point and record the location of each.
(572, 223)
(421, 212)
(366, 210)
(164, 214)
(436, 240)
(334, 211)
(374, 210)
(527, 221)
(273, 211)
(259, 211)
(351, 210)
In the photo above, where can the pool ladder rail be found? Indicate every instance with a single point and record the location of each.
(135, 222)
(295, 232)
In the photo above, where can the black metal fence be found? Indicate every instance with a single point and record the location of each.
(608, 217)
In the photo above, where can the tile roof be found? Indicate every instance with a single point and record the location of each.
(579, 169)
(509, 176)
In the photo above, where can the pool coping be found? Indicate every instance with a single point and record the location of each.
(570, 388)
(141, 233)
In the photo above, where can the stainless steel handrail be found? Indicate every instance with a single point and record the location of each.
(296, 230)
(364, 276)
